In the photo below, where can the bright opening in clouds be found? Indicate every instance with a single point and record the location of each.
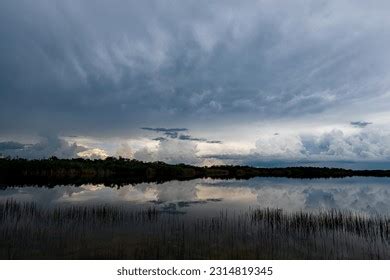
(201, 82)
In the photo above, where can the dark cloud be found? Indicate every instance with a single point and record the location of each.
(175, 133)
(214, 142)
(103, 72)
(49, 146)
(190, 138)
(107, 70)
(186, 137)
(360, 124)
(169, 132)
(160, 139)
(10, 145)
(165, 130)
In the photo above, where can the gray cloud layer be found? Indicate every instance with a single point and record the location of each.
(105, 69)
(101, 67)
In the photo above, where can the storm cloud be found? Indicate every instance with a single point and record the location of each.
(169, 132)
(360, 124)
(177, 133)
(226, 70)
(143, 61)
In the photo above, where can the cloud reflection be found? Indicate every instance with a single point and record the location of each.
(205, 196)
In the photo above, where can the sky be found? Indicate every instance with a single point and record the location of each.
(262, 83)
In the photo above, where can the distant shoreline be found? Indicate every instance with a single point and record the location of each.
(120, 171)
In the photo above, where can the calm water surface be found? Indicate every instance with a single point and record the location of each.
(208, 197)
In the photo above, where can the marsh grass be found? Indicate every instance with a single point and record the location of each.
(29, 231)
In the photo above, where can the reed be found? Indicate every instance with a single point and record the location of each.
(29, 231)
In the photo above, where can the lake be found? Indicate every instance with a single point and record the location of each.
(259, 218)
(365, 195)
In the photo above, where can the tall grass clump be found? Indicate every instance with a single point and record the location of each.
(30, 231)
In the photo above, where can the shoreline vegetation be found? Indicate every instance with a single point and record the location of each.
(120, 171)
(30, 231)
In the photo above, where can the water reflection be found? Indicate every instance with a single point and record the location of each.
(209, 197)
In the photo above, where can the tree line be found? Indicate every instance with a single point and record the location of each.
(126, 171)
